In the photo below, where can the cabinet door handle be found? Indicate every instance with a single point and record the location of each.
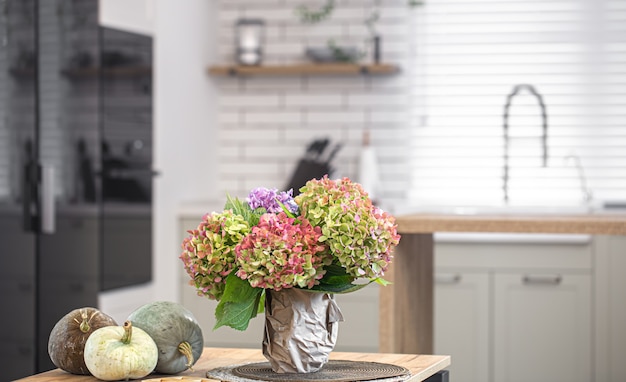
(542, 279)
(47, 200)
(448, 279)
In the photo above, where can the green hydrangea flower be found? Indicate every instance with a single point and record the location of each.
(209, 251)
(359, 235)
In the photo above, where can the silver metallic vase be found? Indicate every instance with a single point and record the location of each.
(300, 329)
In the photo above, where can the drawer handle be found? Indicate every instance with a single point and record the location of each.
(448, 279)
(542, 279)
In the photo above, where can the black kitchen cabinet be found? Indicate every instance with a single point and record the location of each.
(75, 168)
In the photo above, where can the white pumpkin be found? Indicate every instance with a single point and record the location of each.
(114, 353)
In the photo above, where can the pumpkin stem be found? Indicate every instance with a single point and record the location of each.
(128, 332)
(84, 325)
(185, 349)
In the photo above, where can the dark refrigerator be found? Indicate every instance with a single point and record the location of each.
(75, 169)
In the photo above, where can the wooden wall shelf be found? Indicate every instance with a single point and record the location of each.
(304, 69)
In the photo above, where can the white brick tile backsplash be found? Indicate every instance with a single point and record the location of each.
(314, 99)
(277, 152)
(230, 151)
(284, 48)
(336, 83)
(250, 168)
(266, 123)
(226, 84)
(271, 117)
(249, 135)
(228, 16)
(304, 32)
(380, 134)
(274, 32)
(302, 136)
(331, 117)
(245, 3)
(389, 116)
(251, 183)
(398, 84)
(250, 100)
(285, 84)
(380, 99)
(232, 117)
(271, 15)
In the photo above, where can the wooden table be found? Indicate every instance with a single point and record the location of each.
(421, 366)
(406, 306)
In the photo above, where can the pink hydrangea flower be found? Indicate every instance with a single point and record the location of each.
(281, 252)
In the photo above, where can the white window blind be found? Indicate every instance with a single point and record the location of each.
(469, 55)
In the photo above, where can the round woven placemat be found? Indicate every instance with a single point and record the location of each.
(333, 371)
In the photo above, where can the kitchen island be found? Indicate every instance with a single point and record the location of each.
(421, 367)
(406, 305)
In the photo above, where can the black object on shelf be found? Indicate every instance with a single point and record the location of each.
(314, 165)
(377, 49)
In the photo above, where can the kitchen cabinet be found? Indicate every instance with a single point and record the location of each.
(70, 146)
(462, 322)
(516, 311)
(542, 327)
(406, 305)
(610, 308)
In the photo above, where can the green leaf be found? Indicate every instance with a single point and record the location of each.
(285, 209)
(336, 275)
(381, 281)
(309, 16)
(242, 208)
(239, 303)
(261, 307)
(337, 280)
(335, 269)
(338, 288)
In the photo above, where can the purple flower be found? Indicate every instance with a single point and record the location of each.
(271, 200)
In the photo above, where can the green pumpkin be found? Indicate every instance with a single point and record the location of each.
(175, 331)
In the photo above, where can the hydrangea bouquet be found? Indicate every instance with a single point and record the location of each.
(323, 240)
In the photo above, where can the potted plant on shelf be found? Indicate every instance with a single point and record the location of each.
(334, 52)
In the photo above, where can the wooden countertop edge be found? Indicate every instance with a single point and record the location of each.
(594, 224)
(420, 366)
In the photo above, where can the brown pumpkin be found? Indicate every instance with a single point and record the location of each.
(67, 339)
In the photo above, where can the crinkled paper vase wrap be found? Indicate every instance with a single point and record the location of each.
(300, 329)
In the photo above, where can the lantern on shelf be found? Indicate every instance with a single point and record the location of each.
(249, 40)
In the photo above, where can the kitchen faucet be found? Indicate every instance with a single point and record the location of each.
(587, 195)
(544, 136)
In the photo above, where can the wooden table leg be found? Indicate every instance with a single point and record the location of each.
(406, 306)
